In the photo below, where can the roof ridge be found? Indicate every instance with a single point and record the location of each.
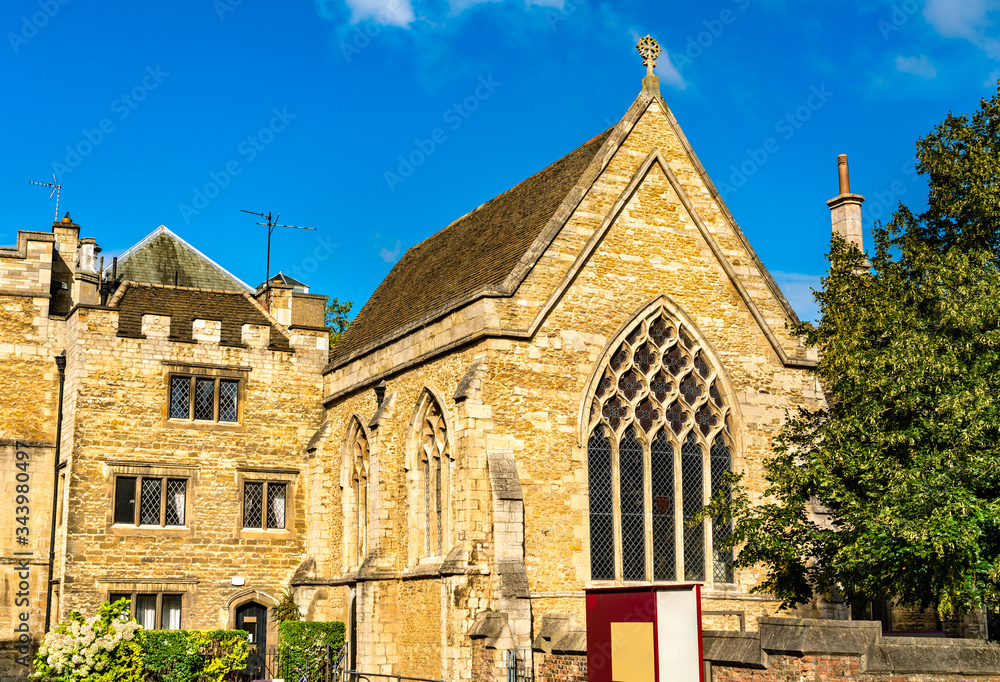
(163, 229)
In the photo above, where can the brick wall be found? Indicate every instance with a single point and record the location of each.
(562, 668)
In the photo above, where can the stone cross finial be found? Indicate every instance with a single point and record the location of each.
(650, 51)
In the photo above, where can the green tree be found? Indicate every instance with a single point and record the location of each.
(337, 317)
(904, 465)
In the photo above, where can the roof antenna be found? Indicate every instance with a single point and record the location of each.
(55, 190)
(271, 224)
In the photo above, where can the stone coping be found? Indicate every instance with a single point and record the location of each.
(862, 639)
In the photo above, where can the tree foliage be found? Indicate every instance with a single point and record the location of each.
(894, 489)
(337, 317)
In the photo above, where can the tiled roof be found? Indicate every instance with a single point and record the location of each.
(164, 258)
(474, 254)
(183, 305)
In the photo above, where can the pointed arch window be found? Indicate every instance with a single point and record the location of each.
(357, 497)
(432, 486)
(360, 488)
(657, 447)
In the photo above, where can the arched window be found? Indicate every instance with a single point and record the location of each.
(359, 484)
(431, 494)
(657, 448)
(357, 498)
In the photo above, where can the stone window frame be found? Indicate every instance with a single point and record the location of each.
(728, 428)
(288, 477)
(188, 472)
(357, 545)
(183, 587)
(421, 521)
(241, 374)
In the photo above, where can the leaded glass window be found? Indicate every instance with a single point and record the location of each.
(359, 458)
(658, 444)
(433, 471)
(264, 505)
(161, 501)
(204, 399)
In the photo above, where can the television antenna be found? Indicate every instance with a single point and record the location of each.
(55, 190)
(271, 224)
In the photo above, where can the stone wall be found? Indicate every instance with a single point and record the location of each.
(793, 649)
(120, 425)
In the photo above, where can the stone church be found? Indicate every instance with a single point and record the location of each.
(537, 398)
(533, 402)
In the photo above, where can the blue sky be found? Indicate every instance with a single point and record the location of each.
(183, 113)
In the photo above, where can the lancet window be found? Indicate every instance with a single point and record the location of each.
(658, 444)
(360, 494)
(433, 459)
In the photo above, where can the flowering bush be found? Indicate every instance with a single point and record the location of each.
(102, 648)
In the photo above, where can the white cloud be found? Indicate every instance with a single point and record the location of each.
(918, 66)
(666, 70)
(459, 6)
(798, 290)
(389, 256)
(991, 80)
(385, 12)
(968, 19)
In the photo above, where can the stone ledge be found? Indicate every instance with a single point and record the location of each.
(740, 649)
(803, 637)
(800, 637)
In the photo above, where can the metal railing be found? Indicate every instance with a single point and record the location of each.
(519, 664)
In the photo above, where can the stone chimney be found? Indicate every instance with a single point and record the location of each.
(845, 209)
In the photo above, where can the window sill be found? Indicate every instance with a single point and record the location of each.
(269, 534)
(202, 425)
(151, 531)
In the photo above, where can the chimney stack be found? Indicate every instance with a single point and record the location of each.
(845, 209)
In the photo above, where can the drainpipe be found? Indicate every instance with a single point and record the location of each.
(61, 365)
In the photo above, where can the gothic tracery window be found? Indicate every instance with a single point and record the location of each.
(360, 490)
(657, 448)
(431, 495)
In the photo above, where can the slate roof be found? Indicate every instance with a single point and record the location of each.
(164, 258)
(183, 305)
(474, 254)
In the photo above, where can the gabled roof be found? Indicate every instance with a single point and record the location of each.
(490, 251)
(282, 278)
(164, 258)
(475, 254)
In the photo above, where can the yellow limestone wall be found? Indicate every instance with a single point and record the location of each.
(121, 395)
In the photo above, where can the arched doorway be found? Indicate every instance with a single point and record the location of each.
(251, 617)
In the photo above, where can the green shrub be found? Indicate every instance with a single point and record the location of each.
(193, 655)
(301, 644)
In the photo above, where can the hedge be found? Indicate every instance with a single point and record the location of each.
(303, 642)
(188, 655)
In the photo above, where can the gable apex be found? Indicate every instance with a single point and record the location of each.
(163, 257)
